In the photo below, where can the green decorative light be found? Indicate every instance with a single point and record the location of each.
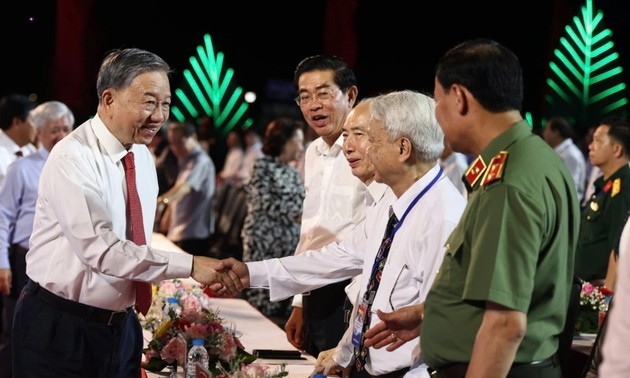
(586, 80)
(209, 90)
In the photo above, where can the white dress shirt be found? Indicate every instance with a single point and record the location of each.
(251, 154)
(8, 148)
(334, 201)
(575, 162)
(17, 203)
(78, 249)
(232, 165)
(415, 256)
(615, 347)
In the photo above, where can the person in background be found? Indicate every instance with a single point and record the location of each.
(604, 215)
(592, 172)
(233, 159)
(75, 313)
(500, 300)
(253, 152)
(558, 133)
(17, 135)
(405, 142)
(189, 220)
(53, 120)
(274, 196)
(309, 136)
(334, 201)
(455, 165)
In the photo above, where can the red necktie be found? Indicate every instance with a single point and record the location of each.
(135, 229)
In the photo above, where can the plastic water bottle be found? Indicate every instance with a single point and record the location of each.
(197, 353)
(172, 305)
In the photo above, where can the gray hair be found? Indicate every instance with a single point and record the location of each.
(51, 111)
(412, 115)
(120, 67)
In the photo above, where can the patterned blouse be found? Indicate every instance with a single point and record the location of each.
(274, 193)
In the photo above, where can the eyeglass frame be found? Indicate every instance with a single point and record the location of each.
(316, 96)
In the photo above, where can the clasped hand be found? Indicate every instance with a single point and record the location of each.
(225, 277)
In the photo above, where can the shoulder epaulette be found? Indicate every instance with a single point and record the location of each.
(616, 188)
(474, 172)
(495, 168)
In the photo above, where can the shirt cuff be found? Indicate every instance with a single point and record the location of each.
(4, 260)
(297, 300)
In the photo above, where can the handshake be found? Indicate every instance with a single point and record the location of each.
(225, 277)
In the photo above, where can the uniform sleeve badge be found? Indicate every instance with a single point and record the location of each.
(474, 172)
(616, 188)
(495, 168)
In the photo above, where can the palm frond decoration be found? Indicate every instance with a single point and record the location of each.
(208, 90)
(586, 80)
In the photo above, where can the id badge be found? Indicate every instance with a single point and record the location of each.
(357, 328)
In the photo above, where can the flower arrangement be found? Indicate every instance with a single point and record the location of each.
(173, 334)
(593, 301)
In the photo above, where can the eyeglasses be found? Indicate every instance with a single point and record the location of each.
(321, 95)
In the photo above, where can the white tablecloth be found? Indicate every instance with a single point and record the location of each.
(257, 332)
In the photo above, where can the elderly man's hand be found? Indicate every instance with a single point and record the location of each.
(209, 271)
(395, 328)
(327, 365)
(239, 268)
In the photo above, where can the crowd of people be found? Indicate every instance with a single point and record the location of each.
(416, 234)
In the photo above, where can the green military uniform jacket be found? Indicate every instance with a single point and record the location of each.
(603, 219)
(514, 246)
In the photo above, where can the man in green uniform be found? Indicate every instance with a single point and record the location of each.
(499, 301)
(607, 211)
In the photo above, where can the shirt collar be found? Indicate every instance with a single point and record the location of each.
(111, 145)
(402, 203)
(322, 148)
(374, 193)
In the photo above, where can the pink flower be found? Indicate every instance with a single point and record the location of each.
(228, 352)
(196, 331)
(167, 289)
(175, 349)
(193, 316)
(254, 370)
(190, 302)
(587, 288)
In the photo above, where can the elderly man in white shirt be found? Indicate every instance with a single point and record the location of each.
(405, 143)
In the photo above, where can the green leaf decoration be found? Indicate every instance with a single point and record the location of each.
(208, 90)
(586, 80)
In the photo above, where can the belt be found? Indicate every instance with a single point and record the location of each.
(89, 313)
(459, 370)
(364, 374)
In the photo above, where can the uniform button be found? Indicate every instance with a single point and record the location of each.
(447, 246)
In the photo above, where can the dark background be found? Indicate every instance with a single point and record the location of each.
(396, 43)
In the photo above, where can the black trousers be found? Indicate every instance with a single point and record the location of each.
(17, 259)
(323, 312)
(53, 343)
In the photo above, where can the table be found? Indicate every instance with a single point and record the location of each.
(257, 331)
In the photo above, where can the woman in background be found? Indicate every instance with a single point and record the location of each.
(274, 193)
